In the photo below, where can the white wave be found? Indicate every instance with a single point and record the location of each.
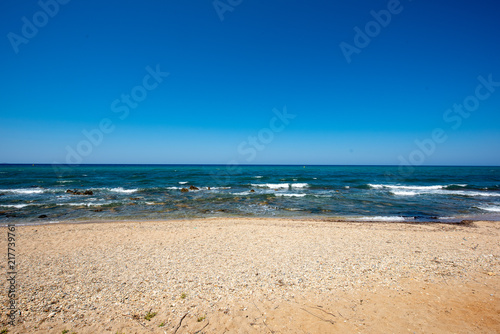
(65, 181)
(17, 206)
(290, 195)
(244, 193)
(183, 182)
(490, 208)
(404, 193)
(470, 193)
(124, 191)
(299, 185)
(281, 185)
(22, 191)
(258, 176)
(388, 186)
(85, 204)
(443, 192)
(174, 188)
(381, 218)
(273, 185)
(399, 190)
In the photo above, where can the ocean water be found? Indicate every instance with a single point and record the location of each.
(38, 193)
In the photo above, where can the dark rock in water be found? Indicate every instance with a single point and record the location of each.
(208, 188)
(193, 188)
(97, 210)
(3, 213)
(78, 192)
(2, 194)
(252, 191)
(184, 190)
(134, 198)
(42, 216)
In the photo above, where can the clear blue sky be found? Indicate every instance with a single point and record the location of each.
(226, 77)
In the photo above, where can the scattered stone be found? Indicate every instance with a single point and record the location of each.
(78, 192)
(2, 194)
(184, 190)
(252, 191)
(193, 188)
(42, 216)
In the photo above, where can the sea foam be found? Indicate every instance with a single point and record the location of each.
(399, 190)
(22, 191)
(381, 218)
(490, 208)
(281, 185)
(123, 191)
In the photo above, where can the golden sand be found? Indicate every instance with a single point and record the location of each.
(256, 276)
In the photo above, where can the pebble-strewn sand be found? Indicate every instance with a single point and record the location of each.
(256, 276)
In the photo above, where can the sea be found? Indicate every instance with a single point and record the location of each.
(41, 194)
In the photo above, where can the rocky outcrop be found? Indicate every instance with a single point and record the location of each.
(80, 192)
(184, 190)
(193, 188)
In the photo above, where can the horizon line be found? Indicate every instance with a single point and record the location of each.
(226, 164)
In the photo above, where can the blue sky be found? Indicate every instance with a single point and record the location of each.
(225, 78)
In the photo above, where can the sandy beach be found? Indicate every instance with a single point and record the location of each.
(255, 276)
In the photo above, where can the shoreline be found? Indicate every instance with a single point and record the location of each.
(257, 275)
(464, 220)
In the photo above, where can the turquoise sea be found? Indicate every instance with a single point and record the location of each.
(39, 193)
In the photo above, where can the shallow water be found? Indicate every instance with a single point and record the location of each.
(154, 192)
